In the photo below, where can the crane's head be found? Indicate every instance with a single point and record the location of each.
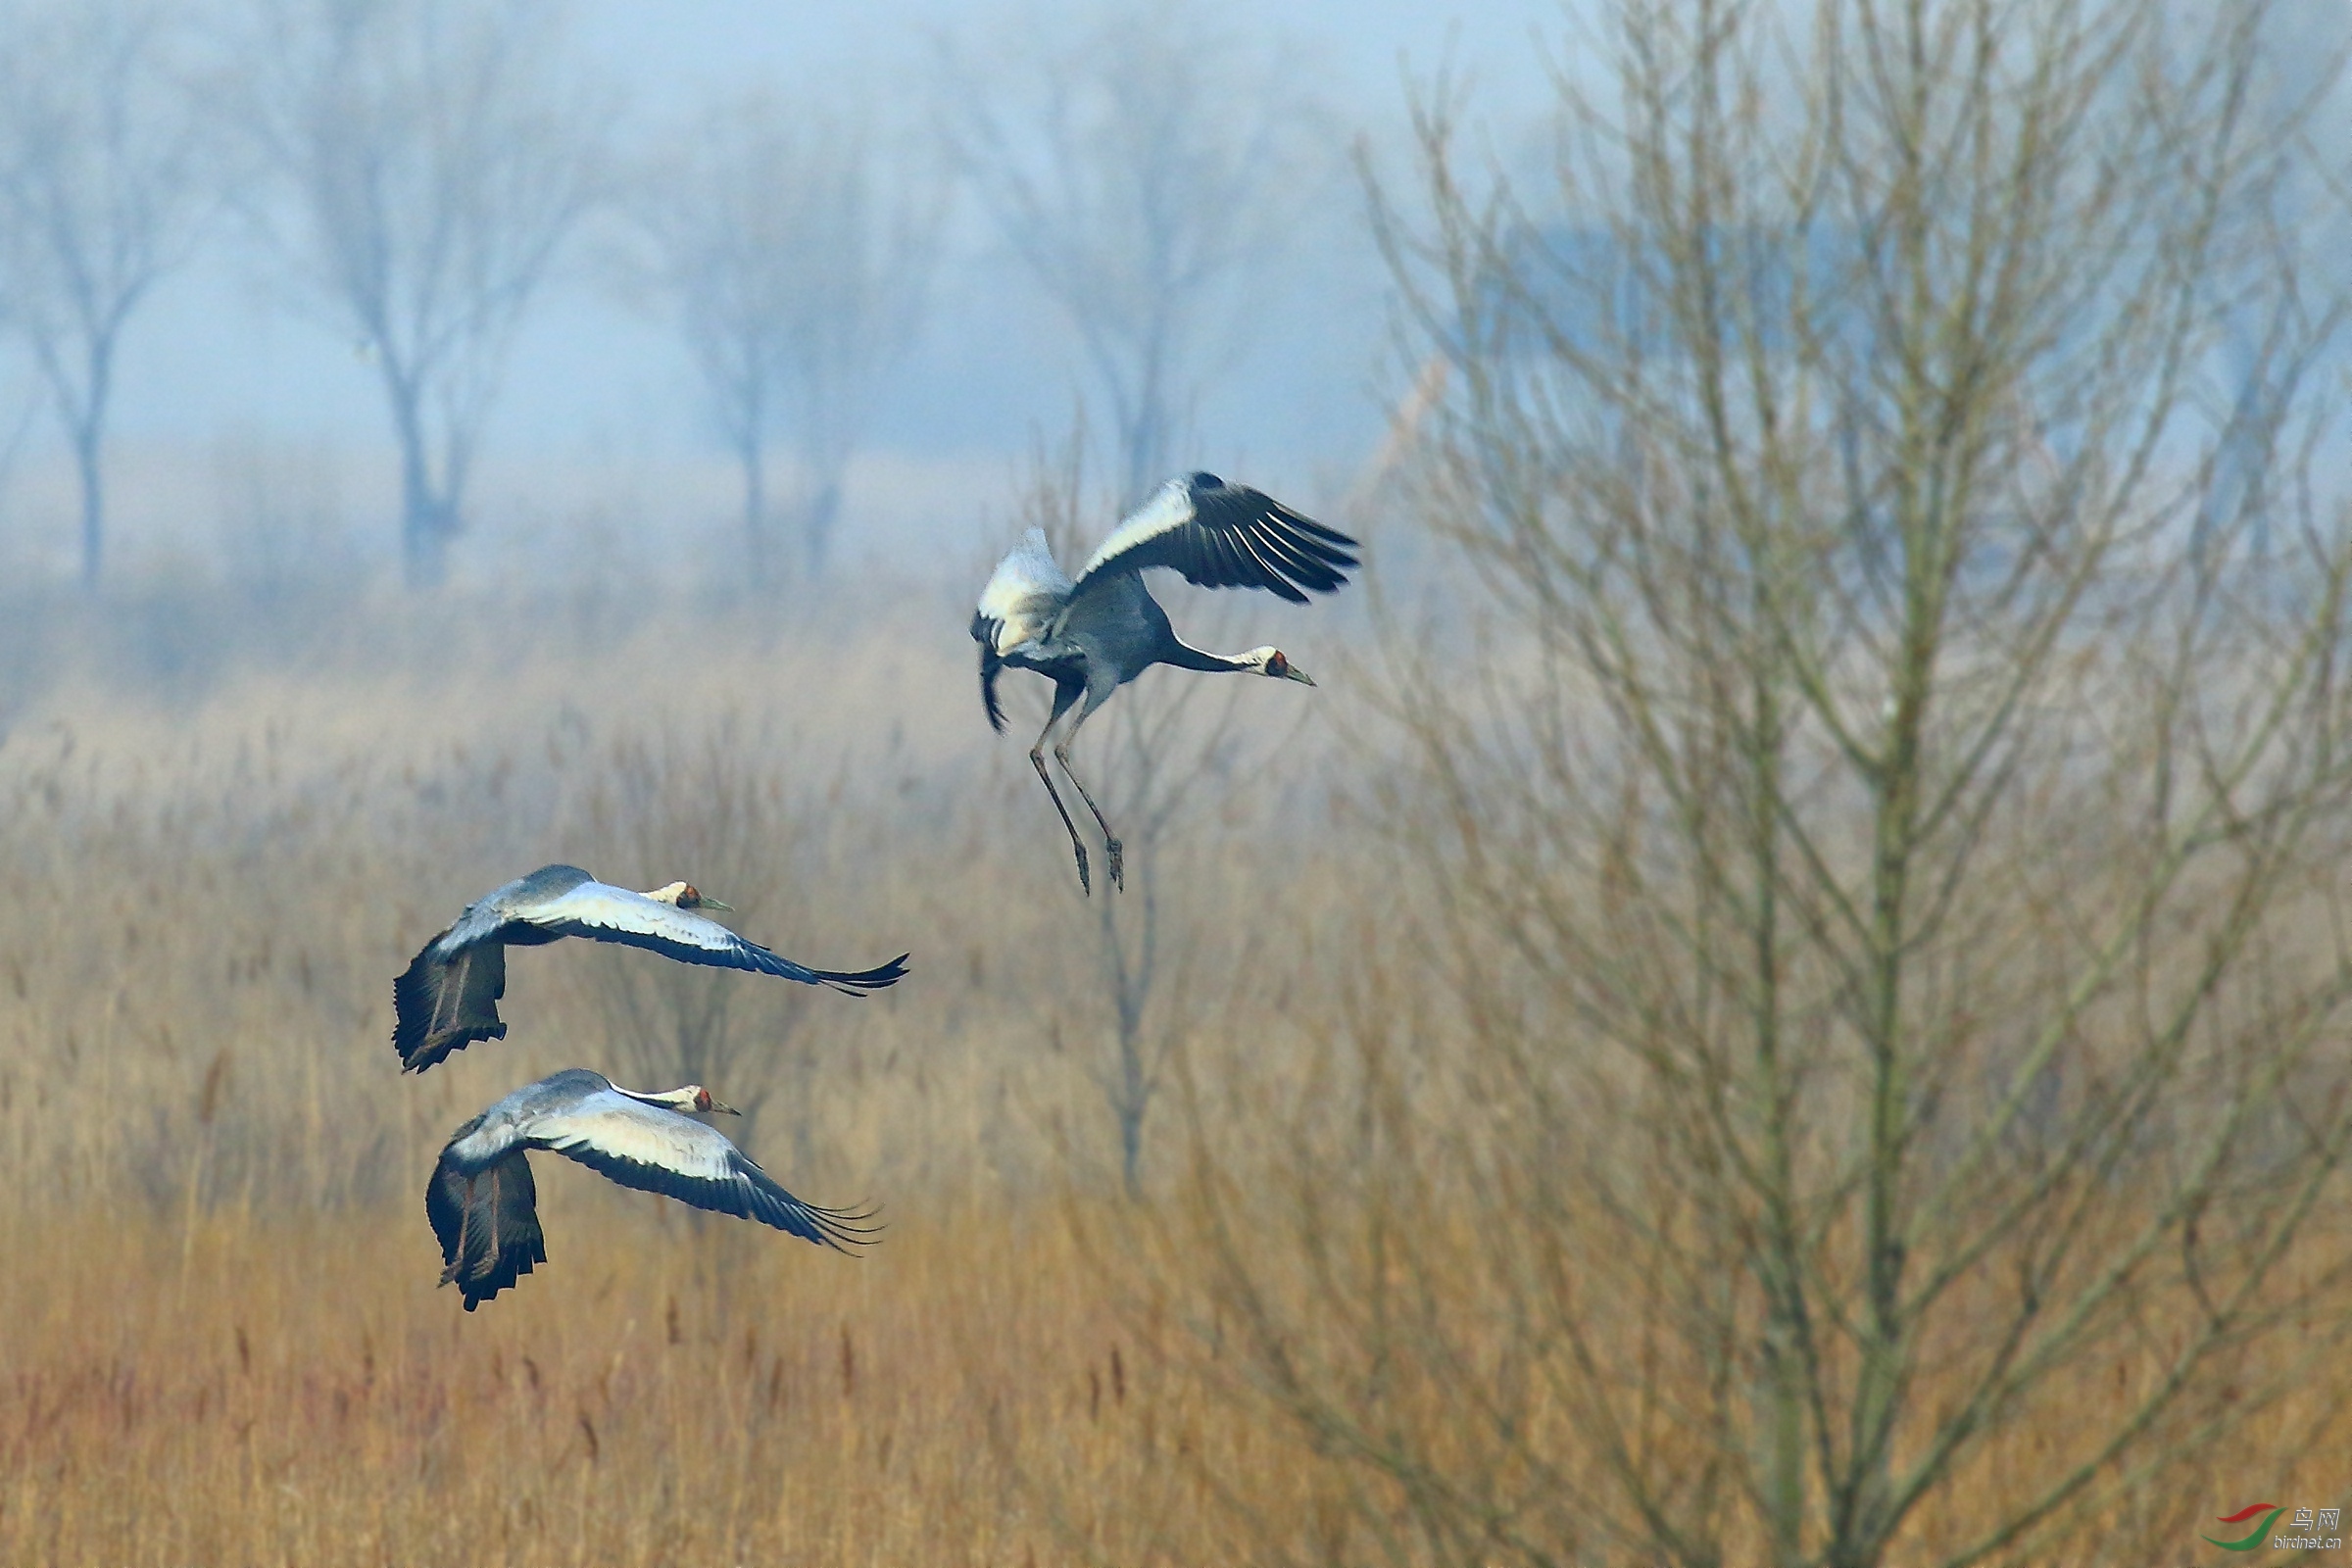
(1275, 663)
(686, 896)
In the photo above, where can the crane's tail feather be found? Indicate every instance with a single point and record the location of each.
(444, 1005)
(990, 667)
(865, 980)
(487, 1224)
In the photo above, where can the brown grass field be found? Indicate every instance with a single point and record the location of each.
(223, 1340)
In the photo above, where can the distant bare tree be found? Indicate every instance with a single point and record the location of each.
(436, 163)
(1885, 818)
(1163, 751)
(794, 258)
(1145, 170)
(102, 192)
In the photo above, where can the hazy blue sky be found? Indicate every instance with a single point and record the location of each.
(600, 408)
(226, 348)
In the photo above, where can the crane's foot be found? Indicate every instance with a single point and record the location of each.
(1118, 863)
(1085, 883)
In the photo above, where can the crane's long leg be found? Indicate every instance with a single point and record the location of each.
(1063, 697)
(1112, 847)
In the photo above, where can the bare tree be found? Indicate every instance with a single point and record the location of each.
(102, 192)
(796, 262)
(1886, 822)
(1168, 749)
(1145, 170)
(436, 164)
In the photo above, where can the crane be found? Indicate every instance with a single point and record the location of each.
(1094, 634)
(484, 1208)
(448, 996)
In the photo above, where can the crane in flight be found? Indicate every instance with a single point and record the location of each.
(448, 996)
(485, 1210)
(1094, 634)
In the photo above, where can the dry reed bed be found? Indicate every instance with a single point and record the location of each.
(990, 1386)
(223, 1341)
(294, 1390)
(194, 981)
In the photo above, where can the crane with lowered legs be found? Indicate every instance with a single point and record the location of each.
(448, 996)
(484, 1206)
(1095, 633)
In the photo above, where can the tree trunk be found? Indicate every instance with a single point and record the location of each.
(425, 517)
(87, 442)
(825, 509)
(758, 548)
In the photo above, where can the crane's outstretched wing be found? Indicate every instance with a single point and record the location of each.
(658, 1150)
(605, 914)
(444, 1003)
(1223, 535)
(487, 1224)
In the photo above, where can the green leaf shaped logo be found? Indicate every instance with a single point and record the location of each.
(2261, 1530)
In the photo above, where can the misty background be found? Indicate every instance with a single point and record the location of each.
(246, 434)
(1783, 999)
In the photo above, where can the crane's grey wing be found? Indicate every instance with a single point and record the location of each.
(1223, 535)
(448, 996)
(659, 1150)
(498, 908)
(487, 1222)
(605, 914)
(442, 1004)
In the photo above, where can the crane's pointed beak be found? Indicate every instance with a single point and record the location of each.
(1298, 675)
(713, 904)
(720, 1107)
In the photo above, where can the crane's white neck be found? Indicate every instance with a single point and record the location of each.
(1253, 662)
(693, 1096)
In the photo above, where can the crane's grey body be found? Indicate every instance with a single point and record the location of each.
(483, 1204)
(1092, 634)
(448, 996)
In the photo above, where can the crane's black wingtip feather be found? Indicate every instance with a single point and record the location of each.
(1323, 531)
(871, 979)
(878, 978)
(844, 1229)
(1238, 537)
